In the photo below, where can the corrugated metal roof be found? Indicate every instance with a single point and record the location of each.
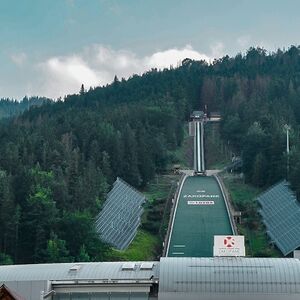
(229, 275)
(181, 278)
(95, 270)
(281, 215)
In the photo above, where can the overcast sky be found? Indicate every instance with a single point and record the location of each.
(50, 47)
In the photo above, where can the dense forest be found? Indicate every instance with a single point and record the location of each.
(10, 108)
(57, 161)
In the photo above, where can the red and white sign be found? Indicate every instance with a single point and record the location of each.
(229, 245)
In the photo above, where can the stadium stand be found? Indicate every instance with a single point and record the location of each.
(119, 219)
(280, 211)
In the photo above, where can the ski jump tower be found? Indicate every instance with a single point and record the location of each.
(196, 129)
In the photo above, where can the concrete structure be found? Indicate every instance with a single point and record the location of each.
(200, 213)
(201, 210)
(196, 129)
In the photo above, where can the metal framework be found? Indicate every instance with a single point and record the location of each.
(281, 214)
(119, 219)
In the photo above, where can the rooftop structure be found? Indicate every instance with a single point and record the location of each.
(197, 115)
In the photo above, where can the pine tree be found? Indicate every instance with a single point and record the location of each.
(82, 90)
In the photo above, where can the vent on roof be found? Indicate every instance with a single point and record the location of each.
(75, 268)
(128, 266)
(146, 266)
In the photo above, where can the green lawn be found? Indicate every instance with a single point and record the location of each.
(239, 191)
(243, 198)
(144, 247)
(159, 187)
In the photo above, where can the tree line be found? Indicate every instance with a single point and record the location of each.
(10, 108)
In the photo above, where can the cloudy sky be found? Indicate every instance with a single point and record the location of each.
(50, 47)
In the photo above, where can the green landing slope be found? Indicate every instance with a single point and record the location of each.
(201, 213)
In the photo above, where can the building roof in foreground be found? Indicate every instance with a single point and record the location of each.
(281, 214)
(188, 278)
(80, 271)
(224, 275)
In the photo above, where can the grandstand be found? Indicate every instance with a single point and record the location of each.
(119, 219)
(280, 211)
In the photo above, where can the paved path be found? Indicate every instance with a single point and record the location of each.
(201, 213)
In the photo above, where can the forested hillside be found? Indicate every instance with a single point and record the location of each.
(10, 108)
(57, 161)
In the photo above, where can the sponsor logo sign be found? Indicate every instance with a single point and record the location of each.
(229, 245)
(200, 196)
(201, 202)
(203, 198)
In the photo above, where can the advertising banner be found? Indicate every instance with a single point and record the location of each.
(229, 245)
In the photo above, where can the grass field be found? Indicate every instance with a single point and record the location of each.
(243, 199)
(145, 246)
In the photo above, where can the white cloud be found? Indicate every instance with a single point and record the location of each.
(217, 50)
(244, 41)
(64, 75)
(73, 68)
(164, 59)
(18, 58)
(97, 65)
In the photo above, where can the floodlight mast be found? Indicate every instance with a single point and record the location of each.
(287, 128)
